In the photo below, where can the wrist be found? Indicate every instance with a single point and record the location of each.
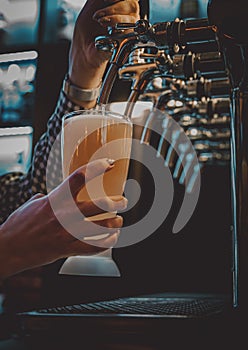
(76, 93)
(85, 78)
(84, 73)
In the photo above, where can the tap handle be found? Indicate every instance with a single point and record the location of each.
(140, 27)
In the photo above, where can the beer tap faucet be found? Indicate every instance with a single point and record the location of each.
(126, 37)
(121, 41)
(141, 73)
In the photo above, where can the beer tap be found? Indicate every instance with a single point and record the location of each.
(141, 73)
(184, 66)
(126, 37)
(121, 41)
(168, 56)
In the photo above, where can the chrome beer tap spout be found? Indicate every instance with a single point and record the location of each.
(121, 41)
(126, 37)
(147, 67)
(159, 62)
(142, 72)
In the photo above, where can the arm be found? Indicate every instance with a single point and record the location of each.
(86, 64)
(32, 236)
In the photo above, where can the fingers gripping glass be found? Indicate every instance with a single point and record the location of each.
(86, 136)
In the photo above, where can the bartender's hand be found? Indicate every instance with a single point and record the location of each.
(86, 64)
(32, 236)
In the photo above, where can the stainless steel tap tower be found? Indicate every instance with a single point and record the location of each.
(230, 20)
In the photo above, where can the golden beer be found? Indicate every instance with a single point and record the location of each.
(87, 137)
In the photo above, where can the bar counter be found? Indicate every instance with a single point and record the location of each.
(227, 329)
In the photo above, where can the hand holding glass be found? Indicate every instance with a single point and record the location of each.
(86, 136)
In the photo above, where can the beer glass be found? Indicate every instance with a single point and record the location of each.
(88, 135)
